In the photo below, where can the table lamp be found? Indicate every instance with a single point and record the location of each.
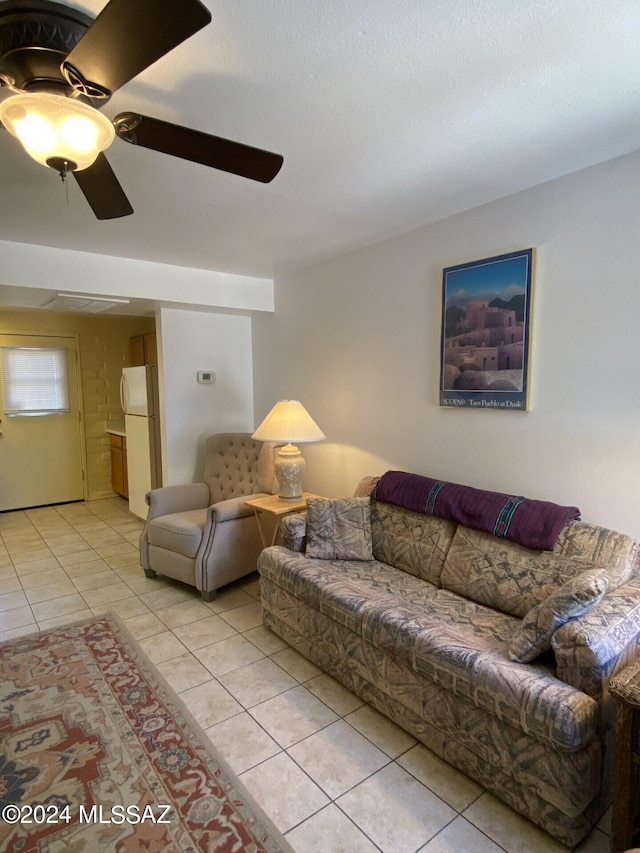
(289, 422)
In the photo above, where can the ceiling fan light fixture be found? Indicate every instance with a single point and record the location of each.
(55, 128)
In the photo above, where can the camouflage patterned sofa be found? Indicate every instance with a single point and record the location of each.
(495, 656)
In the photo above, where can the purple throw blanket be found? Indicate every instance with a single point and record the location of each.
(534, 524)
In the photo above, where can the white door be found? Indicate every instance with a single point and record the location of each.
(41, 455)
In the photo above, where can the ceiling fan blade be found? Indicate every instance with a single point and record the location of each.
(128, 36)
(214, 151)
(102, 190)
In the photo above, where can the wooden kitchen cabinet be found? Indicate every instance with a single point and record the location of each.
(137, 350)
(144, 350)
(119, 474)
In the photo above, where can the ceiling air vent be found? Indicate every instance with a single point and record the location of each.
(83, 304)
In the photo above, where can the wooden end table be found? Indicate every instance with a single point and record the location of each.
(275, 506)
(625, 828)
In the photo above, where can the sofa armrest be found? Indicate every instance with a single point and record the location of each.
(181, 498)
(234, 507)
(592, 647)
(293, 532)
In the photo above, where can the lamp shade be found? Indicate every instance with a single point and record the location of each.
(289, 421)
(53, 127)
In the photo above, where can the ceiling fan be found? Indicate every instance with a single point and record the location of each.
(63, 66)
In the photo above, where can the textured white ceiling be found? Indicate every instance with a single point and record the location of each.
(389, 115)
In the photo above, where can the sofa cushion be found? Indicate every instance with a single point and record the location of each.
(575, 597)
(503, 575)
(476, 741)
(339, 529)
(344, 590)
(411, 541)
(617, 551)
(180, 532)
(459, 644)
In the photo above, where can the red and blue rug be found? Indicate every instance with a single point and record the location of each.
(97, 753)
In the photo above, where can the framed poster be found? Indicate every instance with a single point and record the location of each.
(486, 316)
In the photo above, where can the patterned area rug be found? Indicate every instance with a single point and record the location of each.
(97, 753)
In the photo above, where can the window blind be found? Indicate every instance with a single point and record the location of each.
(34, 381)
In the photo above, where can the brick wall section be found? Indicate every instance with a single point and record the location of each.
(104, 351)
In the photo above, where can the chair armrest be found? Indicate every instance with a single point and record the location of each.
(181, 498)
(166, 501)
(234, 507)
(592, 647)
(293, 532)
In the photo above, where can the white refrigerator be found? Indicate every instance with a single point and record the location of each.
(139, 401)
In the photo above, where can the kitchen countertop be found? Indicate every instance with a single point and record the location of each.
(117, 429)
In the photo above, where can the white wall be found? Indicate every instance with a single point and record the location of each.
(28, 266)
(192, 340)
(188, 342)
(357, 340)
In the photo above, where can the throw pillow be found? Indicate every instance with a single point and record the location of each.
(339, 529)
(573, 598)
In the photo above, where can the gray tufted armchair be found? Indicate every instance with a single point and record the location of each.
(203, 534)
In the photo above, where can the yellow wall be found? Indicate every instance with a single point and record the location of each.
(104, 351)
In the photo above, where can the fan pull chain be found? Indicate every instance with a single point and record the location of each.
(62, 167)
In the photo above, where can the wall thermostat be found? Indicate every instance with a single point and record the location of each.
(206, 377)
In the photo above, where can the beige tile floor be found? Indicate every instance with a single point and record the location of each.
(333, 774)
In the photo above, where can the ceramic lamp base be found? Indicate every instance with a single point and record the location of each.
(289, 469)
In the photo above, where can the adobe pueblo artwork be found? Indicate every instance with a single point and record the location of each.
(485, 333)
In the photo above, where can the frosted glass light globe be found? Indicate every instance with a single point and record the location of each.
(52, 126)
